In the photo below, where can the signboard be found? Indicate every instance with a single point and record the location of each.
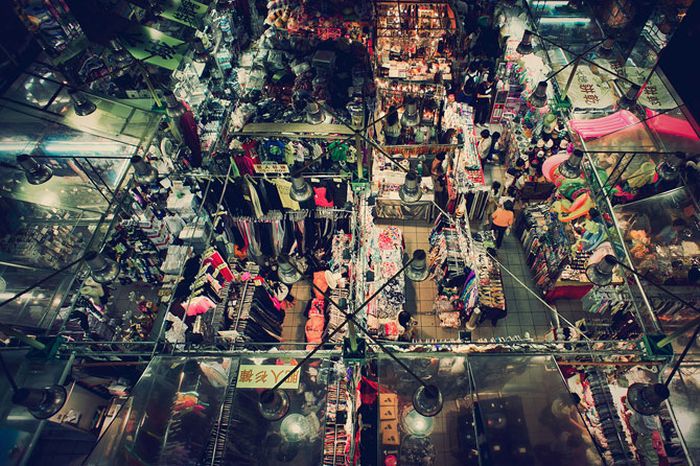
(152, 46)
(266, 168)
(187, 12)
(252, 376)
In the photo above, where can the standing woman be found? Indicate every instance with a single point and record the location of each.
(501, 220)
(482, 107)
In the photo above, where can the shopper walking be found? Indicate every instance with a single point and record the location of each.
(501, 220)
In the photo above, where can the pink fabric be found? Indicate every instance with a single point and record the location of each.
(198, 305)
(320, 198)
(598, 127)
(666, 124)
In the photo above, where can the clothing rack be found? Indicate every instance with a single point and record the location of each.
(335, 441)
(609, 419)
(246, 298)
(216, 448)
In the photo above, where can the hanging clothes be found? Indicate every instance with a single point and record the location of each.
(284, 187)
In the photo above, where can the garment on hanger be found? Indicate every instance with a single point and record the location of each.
(284, 187)
(253, 196)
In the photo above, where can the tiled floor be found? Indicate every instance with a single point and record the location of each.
(526, 313)
(294, 320)
(420, 296)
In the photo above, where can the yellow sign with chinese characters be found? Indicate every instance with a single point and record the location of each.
(251, 376)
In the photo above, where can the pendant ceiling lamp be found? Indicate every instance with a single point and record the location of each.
(601, 273)
(314, 113)
(81, 104)
(42, 403)
(410, 117)
(571, 168)
(301, 190)
(103, 269)
(287, 272)
(525, 46)
(173, 107)
(410, 192)
(427, 400)
(273, 405)
(36, 173)
(538, 98)
(144, 172)
(669, 169)
(418, 270)
(629, 100)
(646, 398)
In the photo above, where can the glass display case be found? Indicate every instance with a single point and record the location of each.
(204, 410)
(564, 22)
(19, 430)
(662, 235)
(497, 410)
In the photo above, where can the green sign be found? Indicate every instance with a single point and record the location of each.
(152, 46)
(187, 12)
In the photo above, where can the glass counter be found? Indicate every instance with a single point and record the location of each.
(204, 410)
(497, 410)
(564, 22)
(662, 235)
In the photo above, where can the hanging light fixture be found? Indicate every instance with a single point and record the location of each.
(669, 170)
(357, 113)
(646, 398)
(144, 172)
(42, 403)
(295, 428)
(629, 100)
(173, 107)
(410, 117)
(525, 46)
(601, 273)
(103, 269)
(410, 192)
(538, 98)
(314, 113)
(36, 173)
(418, 270)
(571, 167)
(81, 104)
(287, 272)
(273, 404)
(301, 190)
(606, 48)
(427, 400)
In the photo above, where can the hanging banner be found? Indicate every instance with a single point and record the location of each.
(252, 376)
(152, 46)
(187, 12)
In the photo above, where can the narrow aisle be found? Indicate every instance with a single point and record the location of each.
(294, 319)
(526, 313)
